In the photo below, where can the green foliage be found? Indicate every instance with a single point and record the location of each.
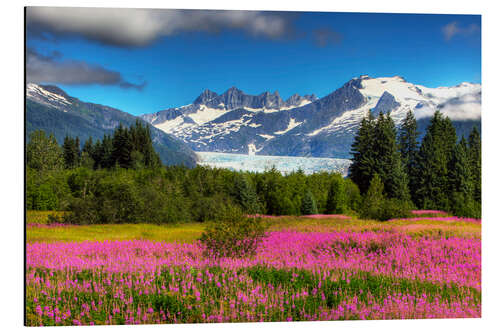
(46, 190)
(71, 152)
(408, 147)
(337, 197)
(127, 148)
(460, 175)
(245, 195)
(43, 153)
(375, 150)
(308, 206)
(353, 194)
(388, 160)
(377, 207)
(233, 234)
(440, 174)
(434, 163)
(82, 211)
(373, 199)
(363, 162)
(474, 157)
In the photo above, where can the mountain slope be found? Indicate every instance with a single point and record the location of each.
(235, 122)
(50, 109)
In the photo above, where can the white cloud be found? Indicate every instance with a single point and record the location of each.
(466, 107)
(139, 27)
(454, 29)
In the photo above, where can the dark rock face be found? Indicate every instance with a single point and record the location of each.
(231, 99)
(385, 104)
(205, 97)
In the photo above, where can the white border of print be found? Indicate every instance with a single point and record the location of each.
(12, 161)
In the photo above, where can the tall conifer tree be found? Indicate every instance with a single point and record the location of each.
(474, 144)
(434, 162)
(363, 161)
(408, 147)
(388, 163)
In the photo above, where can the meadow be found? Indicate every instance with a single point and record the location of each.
(306, 268)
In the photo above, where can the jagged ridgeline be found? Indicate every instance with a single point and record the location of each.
(265, 124)
(50, 109)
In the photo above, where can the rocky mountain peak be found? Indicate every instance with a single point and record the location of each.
(206, 96)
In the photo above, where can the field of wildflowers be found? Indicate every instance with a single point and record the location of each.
(304, 269)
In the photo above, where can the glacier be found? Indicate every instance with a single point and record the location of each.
(284, 164)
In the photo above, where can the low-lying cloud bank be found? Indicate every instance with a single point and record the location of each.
(466, 107)
(53, 69)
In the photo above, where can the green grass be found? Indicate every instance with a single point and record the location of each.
(40, 216)
(189, 232)
(101, 232)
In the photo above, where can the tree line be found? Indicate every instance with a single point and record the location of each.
(391, 168)
(120, 179)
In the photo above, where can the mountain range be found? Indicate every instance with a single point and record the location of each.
(49, 108)
(265, 124)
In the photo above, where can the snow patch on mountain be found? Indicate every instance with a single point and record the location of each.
(291, 125)
(267, 137)
(205, 114)
(44, 96)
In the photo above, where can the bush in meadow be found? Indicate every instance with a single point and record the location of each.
(233, 234)
(82, 211)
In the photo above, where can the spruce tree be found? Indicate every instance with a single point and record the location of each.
(122, 147)
(245, 195)
(408, 147)
(308, 206)
(373, 200)
(388, 163)
(433, 164)
(460, 173)
(151, 158)
(474, 157)
(76, 151)
(88, 146)
(336, 202)
(68, 152)
(398, 181)
(362, 168)
(461, 182)
(106, 152)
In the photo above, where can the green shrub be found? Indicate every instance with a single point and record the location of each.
(82, 211)
(233, 234)
(377, 207)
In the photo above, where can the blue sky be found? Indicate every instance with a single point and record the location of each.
(141, 62)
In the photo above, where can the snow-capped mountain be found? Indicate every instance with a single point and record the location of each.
(183, 121)
(50, 109)
(235, 122)
(51, 96)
